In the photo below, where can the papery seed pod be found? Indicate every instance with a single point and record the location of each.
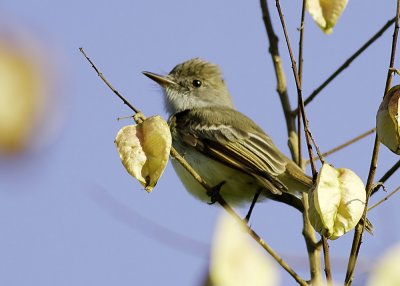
(236, 260)
(387, 269)
(144, 150)
(388, 121)
(27, 105)
(337, 201)
(326, 12)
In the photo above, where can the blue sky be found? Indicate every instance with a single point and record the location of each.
(71, 215)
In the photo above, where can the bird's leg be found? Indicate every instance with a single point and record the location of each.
(214, 193)
(253, 203)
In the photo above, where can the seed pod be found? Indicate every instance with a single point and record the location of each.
(236, 260)
(386, 270)
(326, 12)
(144, 150)
(388, 121)
(337, 202)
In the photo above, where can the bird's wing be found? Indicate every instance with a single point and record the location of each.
(240, 143)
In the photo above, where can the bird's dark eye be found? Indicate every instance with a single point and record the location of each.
(196, 83)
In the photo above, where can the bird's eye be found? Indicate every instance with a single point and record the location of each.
(196, 83)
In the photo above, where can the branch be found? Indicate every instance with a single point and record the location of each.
(348, 143)
(327, 260)
(386, 176)
(108, 84)
(299, 90)
(384, 199)
(280, 80)
(355, 248)
(313, 248)
(307, 231)
(347, 63)
(197, 177)
(300, 72)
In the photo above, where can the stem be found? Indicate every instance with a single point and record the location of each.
(384, 199)
(348, 143)
(357, 239)
(327, 260)
(308, 231)
(276, 59)
(355, 248)
(386, 176)
(347, 63)
(312, 245)
(301, 37)
(299, 90)
(300, 72)
(361, 225)
(108, 84)
(280, 79)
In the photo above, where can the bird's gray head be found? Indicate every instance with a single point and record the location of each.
(193, 84)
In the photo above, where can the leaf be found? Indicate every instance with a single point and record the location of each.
(236, 260)
(337, 202)
(388, 120)
(144, 150)
(326, 12)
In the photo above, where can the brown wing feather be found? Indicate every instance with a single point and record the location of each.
(240, 144)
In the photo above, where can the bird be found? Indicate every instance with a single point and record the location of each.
(225, 147)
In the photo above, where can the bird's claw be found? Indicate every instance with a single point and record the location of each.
(214, 193)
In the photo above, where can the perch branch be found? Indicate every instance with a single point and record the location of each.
(355, 248)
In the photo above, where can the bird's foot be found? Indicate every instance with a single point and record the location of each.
(214, 193)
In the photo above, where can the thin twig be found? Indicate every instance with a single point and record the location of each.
(308, 230)
(301, 39)
(299, 90)
(108, 84)
(327, 260)
(294, 137)
(300, 72)
(313, 248)
(315, 272)
(384, 199)
(219, 198)
(347, 63)
(386, 176)
(280, 80)
(319, 155)
(355, 248)
(348, 143)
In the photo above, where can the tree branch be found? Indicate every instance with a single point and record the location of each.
(299, 90)
(346, 63)
(280, 81)
(384, 199)
(315, 267)
(348, 143)
(355, 248)
(386, 176)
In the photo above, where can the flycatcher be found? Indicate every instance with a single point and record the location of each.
(222, 144)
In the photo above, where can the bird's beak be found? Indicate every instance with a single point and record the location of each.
(161, 80)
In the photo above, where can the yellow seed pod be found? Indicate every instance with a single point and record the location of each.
(388, 121)
(144, 150)
(326, 12)
(337, 201)
(236, 260)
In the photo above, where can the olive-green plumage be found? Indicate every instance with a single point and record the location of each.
(220, 143)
